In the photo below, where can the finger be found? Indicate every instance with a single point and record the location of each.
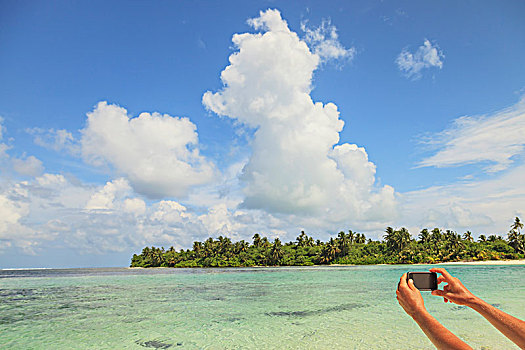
(441, 279)
(438, 292)
(441, 271)
(411, 284)
(402, 281)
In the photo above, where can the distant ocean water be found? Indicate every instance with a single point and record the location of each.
(346, 307)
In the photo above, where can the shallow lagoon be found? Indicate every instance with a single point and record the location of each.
(343, 307)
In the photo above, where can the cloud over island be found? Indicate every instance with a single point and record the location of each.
(297, 165)
(297, 175)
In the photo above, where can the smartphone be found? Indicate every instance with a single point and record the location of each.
(424, 280)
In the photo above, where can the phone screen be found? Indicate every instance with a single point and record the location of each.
(424, 280)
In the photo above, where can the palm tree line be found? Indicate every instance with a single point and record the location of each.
(397, 247)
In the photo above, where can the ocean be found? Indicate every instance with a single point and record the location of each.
(332, 307)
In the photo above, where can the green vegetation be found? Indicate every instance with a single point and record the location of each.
(398, 247)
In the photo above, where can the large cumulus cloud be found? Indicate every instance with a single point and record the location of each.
(297, 165)
(158, 153)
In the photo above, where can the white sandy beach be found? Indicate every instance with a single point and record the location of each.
(487, 262)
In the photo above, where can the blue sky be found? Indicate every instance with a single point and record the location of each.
(132, 123)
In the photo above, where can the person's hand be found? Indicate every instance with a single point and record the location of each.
(409, 297)
(454, 291)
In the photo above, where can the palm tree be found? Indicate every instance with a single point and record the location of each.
(301, 239)
(517, 225)
(197, 248)
(209, 248)
(449, 235)
(265, 243)
(403, 237)
(467, 236)
(514, 239)
(389, 237)
(224, 245)
(256, 240)
(145, 251)
(351, 237)
(424, 236)
(157, 256)
(482, 238)
(389, 233)
(396, 240)
(493, 238)
(329, 251)
(454, 244)
(276, 253)
(343, 243)
(437, 235)
(520, 247)
(243, 246)
(360, 238)
(309, 242)
(436, 238)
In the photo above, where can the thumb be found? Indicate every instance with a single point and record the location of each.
(411, 284)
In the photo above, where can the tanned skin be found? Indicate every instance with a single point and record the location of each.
(411, 301)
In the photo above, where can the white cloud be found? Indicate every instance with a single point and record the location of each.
(426, 56)
(11, 211)
(30, 166)
(14, 207)
(54, 211)
(25, 166)
(487, 206)
(170, 212)
(157, 153)
(134, 206)
(49, 211)
(296, 166)
(324, 42)
(493, 139)
(105, 197)
(57, 140)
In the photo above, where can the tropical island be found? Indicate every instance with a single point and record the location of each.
(398, 247)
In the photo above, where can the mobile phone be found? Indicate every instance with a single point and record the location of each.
(424, 280)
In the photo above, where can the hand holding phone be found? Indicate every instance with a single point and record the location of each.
(454, 291)
(424, 280)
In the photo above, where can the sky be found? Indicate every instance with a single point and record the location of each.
(126, 124)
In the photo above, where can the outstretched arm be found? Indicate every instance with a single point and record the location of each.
(512, 327)
(411, 301)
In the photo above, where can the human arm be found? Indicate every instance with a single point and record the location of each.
(512, 327)
(412, 302)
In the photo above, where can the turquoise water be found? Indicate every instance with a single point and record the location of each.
(351, 307)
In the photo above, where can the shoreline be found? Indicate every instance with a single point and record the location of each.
(486, 262)
(483, 262)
